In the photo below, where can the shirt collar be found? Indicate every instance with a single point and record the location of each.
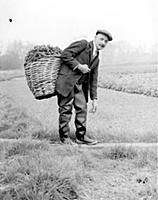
(94, 48)
(95, 51)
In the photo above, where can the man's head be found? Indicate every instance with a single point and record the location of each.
(101, 39)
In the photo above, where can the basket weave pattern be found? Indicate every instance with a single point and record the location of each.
(42, 74)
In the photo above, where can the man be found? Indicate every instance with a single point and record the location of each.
(77, 76)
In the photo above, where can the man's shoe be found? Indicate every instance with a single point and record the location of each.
(67, 141)
(86, 140)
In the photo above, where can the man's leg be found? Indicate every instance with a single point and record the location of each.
(80, 106)
(65, 112)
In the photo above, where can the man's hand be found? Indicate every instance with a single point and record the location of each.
(83, 68)
(94, 106)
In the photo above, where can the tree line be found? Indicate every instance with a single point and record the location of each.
(14, 55)
(120, 52)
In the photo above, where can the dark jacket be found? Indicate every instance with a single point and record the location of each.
(78, 52)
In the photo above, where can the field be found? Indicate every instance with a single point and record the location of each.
(33, 169)
(138, 78)
(10, 74)
(123, 166)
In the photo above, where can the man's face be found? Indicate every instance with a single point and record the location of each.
(101, 41)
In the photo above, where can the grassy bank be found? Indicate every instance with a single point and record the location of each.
(145, 83)
(37, 170)
(33, 169)
(15, 122)
(138, 79)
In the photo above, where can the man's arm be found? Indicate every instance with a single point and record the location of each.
(68, 55)
(94, 82)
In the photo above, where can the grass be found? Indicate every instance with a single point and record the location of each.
(15, 122)
(33, 169)
(20, 147)
(116, 119)
(130, 78)
(71, 172)
(10, 74)
(36, 176)
(144, 83)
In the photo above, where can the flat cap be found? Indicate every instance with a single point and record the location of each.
(105, 32)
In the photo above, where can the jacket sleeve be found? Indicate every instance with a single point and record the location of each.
(94, 82)
(68, 55)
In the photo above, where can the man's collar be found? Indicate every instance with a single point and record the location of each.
(94, 47)
(95, 51)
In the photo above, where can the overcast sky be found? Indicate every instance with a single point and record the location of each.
(59, 22)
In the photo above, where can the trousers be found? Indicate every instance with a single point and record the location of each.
(76, 99)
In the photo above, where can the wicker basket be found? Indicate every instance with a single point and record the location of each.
(41, 76)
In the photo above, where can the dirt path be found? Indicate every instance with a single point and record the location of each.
(97, 146)
(118, 113)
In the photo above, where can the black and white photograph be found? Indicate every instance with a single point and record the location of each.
(78, 100)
